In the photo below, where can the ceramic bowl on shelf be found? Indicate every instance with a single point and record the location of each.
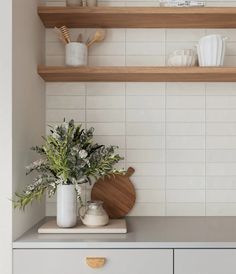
(182, 58)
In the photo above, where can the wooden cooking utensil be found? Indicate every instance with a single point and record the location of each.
(80, 38)
(65, 33)
(98, 37)
(60, 36)
(117, 192)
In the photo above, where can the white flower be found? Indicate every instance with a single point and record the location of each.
(87, 162)
(65, 125)
(82, 180)
(55, 135)
(78, 189)
(83, 154)
(59, 181)
(35, 164)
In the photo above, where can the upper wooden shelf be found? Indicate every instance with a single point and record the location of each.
(138, 17)
(137, 74)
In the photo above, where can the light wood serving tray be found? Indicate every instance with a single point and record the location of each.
(115, 226)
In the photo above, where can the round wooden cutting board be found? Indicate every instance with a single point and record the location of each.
(117, 192)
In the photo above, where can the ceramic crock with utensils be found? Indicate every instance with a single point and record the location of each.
(93, 214)
(76, 53)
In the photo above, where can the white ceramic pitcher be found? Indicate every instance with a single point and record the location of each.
(93, 214)
(211, 50)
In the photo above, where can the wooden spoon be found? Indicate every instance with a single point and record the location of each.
(98, 37)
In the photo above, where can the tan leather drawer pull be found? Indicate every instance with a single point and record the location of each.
(95, 262)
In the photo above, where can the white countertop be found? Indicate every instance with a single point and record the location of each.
(145, 232)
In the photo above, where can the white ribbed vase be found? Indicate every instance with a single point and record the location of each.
(211, 50)
(66, 206)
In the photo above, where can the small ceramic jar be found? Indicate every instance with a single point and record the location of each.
(91, 3)
(73, 3)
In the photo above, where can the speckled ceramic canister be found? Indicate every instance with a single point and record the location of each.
(76, 54)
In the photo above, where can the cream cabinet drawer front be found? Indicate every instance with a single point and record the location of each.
(205, 261)
(84, 261)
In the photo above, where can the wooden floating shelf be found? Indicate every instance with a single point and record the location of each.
(137, 74)
(138, 17)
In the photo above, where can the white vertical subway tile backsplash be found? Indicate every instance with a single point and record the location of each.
(180, 137)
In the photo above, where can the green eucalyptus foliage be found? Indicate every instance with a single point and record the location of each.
(68, 156)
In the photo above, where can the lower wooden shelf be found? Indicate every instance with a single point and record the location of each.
(137, 74)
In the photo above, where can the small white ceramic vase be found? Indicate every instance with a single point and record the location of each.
(76, 54)
(66, 206)
(211, 50)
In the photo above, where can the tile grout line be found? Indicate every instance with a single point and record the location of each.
(205, 86)
(205, 149)
(165, 133)
(85, 117)
(125, 87)
(166, 170)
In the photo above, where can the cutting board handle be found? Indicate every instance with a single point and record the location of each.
(130, 172)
